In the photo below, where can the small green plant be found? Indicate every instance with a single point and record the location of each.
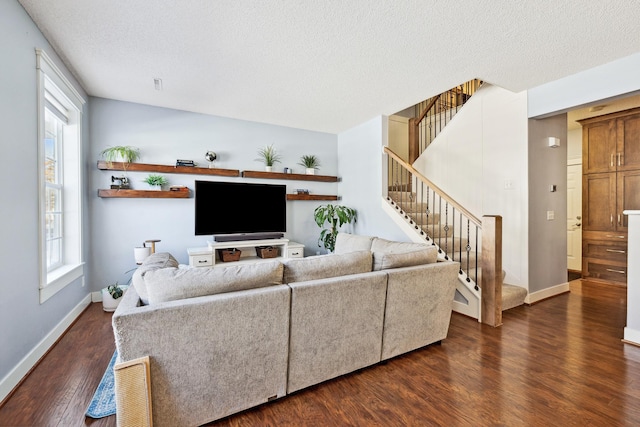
(309, 161)
(158, 180)
(124, 153)
(334, 216)
(115, 290)
(268, 155)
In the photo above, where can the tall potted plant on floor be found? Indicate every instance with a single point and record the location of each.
(332, 217)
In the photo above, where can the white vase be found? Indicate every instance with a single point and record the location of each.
(155, 187)
(311, 171)
(268, 168)
(140, 253)
(108, 303)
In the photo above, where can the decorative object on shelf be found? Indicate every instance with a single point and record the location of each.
(335, 216)
(301, 191)
(156, 182)
(178, 188)
(310, 162)
(269, 156)
(140, 253)
(211, 157)
(187, 163)
(123, 153)
(267, 251)
(229, 255)
(122, 183)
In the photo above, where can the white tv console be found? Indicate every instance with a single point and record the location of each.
(208, 256)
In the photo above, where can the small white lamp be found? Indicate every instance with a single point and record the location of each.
(553, 142)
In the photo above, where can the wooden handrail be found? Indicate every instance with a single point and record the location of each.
(441, 193)
(426, 110)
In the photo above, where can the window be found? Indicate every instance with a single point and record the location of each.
(59, 139)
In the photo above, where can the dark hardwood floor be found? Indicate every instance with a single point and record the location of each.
(560, 362)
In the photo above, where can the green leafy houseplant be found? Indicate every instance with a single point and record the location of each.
(157, 180)
(115, 290)
(334, 216)
(309, 161)
(124, 153)
(268, 155)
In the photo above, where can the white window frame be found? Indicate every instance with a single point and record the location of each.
(49, 77)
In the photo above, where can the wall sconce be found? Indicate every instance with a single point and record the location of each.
(553, 142)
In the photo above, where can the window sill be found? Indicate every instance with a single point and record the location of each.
(59, 278)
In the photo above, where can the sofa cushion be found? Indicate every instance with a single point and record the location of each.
(171, 284)
(382, 248)
(346, 243)
(150, 263)
(325, 266)
(407, 259)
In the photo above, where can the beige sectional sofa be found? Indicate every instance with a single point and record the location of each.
(226, 339)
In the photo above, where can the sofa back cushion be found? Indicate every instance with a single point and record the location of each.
(325, 266)
(151, 263)
(169, 284)
(388, 254)
(346, 243)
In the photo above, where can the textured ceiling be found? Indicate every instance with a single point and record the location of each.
(325, 65)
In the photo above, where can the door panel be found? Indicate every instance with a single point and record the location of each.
(574, 217)
(628, 196)
(598, 201)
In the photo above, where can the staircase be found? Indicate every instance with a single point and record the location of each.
(429, 215)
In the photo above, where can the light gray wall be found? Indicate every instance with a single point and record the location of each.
(25, 322)
(547, 238)
(164, 135)
(360, 166)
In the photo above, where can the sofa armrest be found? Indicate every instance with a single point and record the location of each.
(419, 305)
(210, 356)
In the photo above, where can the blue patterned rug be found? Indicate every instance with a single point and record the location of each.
(103, 403)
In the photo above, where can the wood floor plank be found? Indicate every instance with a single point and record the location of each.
(558, 362)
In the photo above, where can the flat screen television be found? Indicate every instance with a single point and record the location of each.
(223, 208)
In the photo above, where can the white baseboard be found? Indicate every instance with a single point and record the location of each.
(547, 293)
(632, 336)
(13, 378)
(96, 296)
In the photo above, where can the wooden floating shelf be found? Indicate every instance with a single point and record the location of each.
(145, 194)
(292, 176)
(146, 167)
(311, 197)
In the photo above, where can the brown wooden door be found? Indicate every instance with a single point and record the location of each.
(599, 201)
(628, 196)
(599, 147)
(628, 143)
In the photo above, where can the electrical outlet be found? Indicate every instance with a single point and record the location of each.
(551, 215)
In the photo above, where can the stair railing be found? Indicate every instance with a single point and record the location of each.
(433, 114)
(456, 232)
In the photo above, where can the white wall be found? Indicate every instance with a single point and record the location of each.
(360, 166)
(586, 87)
(25, 322)
(164, 135)
(482, 151)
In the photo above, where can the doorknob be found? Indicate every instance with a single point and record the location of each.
(578, 224)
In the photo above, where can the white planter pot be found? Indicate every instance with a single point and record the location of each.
(155, 187)
(140, 253)
(311, 171)
(268, 168)
(108, 303)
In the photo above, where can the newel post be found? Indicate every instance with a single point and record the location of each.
(491, 270)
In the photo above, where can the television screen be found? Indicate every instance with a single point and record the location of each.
(239, 208)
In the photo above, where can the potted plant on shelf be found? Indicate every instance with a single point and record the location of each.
(124, 153)
(269, 157)
(156, 182)
(310, 162)
(334, 216)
